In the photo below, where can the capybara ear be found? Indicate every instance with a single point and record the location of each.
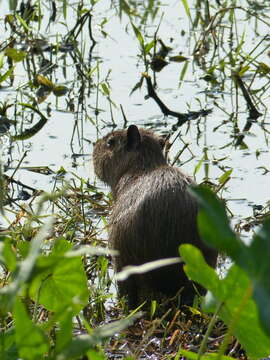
(133, 138)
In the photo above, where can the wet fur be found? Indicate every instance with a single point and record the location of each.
(152, 215)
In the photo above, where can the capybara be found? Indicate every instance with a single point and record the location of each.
(153, 213)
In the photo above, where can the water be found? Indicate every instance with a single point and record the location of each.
(116, 57)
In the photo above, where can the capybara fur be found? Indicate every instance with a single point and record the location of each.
(153, 213)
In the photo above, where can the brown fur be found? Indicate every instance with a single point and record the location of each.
(152, 215)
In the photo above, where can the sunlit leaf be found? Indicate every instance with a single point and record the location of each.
(6, 75)
(186, 7)
(42, 80)
(224, 177)
(149, 46)
(2, 56)
(65, 9)
(138, 35)
(105, 89)
(198, 166)
(15, 55)
(243, 70)
(22, 22)
(264, 68)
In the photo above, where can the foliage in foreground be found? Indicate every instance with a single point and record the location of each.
(241, 299)
(46, 287)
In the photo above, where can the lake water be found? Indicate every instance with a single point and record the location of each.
(210, 139)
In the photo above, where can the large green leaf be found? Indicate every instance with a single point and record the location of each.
(31, 342)
(239, 310)
(64, 334)
(254, 259)
(257, 265)
(8, 348)
(25, 268)
(60, 281)
(213, 223)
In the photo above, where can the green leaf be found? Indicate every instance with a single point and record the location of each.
(224, 177)
(105, 89)
(178, 58)
(15, 55)
(214, 225)
(194, 261)
(60, 282)
(64, 334)
(22, 21)
(198, 166)
(263, 68)
(215, 230)
(8, 348)
(183, 72)
(9, 255)
(60, 90)
(234, 292)
(6, 75)
(149, 46)
(13, 5)
(138, 35)
(43, 81)
(259, 272)
(194, 356)
(8, 292)
(31, 341)
(186, 7)
(243, 70)
(65, 9)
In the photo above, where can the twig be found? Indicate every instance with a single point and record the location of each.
(182, 118)
(11, 180)
(253, 112)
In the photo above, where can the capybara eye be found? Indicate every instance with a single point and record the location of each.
(110, 142)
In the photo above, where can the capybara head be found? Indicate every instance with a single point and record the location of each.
(127, 151)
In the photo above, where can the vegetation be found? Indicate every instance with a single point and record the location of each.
(57, 294)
